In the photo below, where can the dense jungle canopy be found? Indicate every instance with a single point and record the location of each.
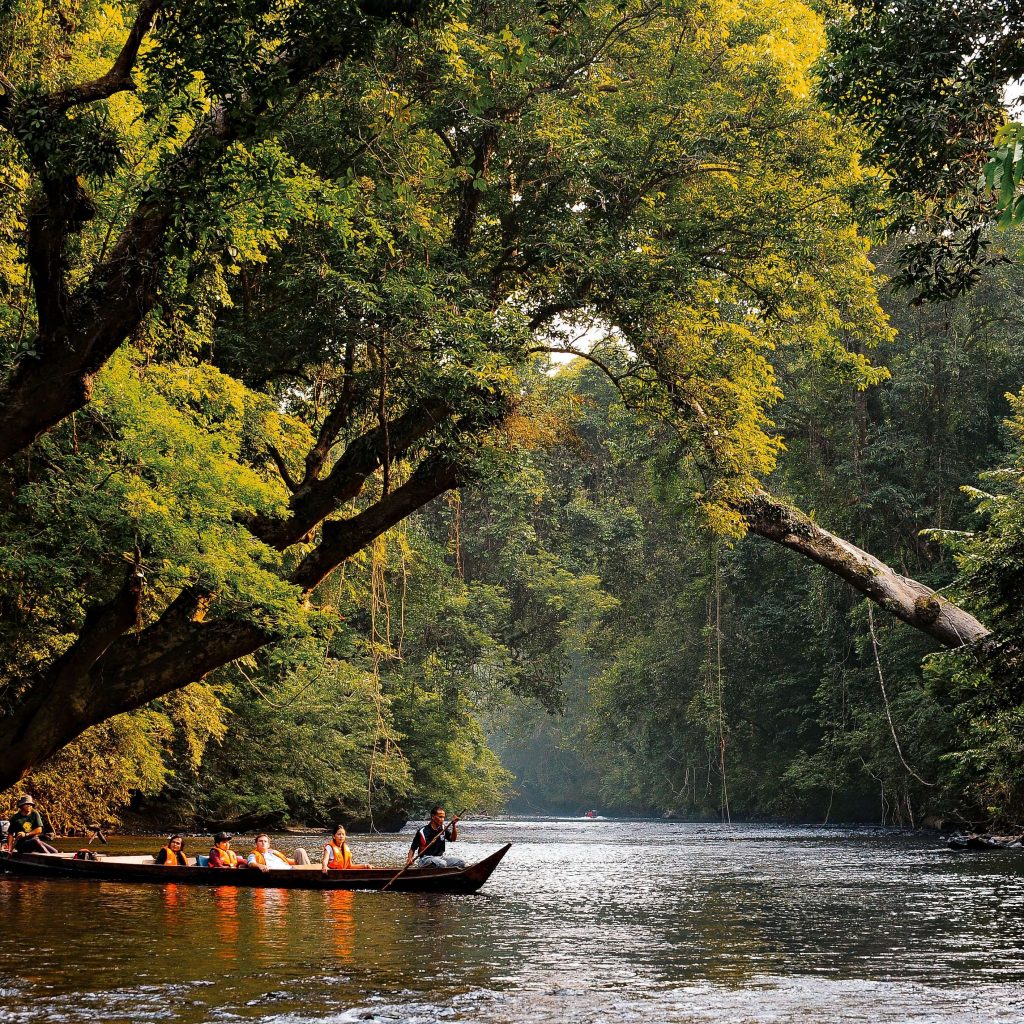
(390, 392)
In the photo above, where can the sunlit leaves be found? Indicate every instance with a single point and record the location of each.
(1004, 173)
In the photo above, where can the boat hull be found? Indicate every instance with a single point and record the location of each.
(447, 880)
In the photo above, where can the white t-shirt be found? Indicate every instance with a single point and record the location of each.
(272, 859)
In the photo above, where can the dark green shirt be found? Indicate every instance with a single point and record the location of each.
(23, 823)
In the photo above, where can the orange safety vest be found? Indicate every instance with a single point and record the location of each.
(260, 859)
(229, 856)
(341, 856)
(173, 860)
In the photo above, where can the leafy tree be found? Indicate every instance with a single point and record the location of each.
(926, 81)
(439, 204)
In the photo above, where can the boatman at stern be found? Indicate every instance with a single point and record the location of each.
(428, 844)
(26, 829)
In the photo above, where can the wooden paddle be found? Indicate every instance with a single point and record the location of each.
(451, 824)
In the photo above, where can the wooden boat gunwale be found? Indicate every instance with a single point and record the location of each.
(446, 880)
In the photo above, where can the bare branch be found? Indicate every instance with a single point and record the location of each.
(282, 468)
(912, 602)
(615, 378)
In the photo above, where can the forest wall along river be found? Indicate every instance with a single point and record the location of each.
(585, 921)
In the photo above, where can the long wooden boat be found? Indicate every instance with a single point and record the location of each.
(134, 870)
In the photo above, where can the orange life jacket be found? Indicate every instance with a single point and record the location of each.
(261, 860)
(175, 858)
(229, 857)
(341, 856)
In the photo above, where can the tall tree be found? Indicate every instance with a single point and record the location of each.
(394, 236)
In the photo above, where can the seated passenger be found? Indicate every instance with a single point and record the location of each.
(337, 855)
(264, 858)
(221, 855)
(172, 855)
(26, 828)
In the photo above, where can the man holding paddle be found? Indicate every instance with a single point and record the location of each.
(429, 842)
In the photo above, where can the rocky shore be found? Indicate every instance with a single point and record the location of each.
(983, 841)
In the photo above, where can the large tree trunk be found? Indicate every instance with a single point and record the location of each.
(912, 602)
(110, 670)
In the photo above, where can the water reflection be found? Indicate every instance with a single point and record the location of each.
(584, 921)
(341, 923)
(226, 924)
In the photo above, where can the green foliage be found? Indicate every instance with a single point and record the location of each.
(140, 754)
(925, 80)
(302, 749)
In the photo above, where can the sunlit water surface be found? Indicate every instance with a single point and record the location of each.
(609, 921)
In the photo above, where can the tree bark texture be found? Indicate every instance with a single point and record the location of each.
(910, 601)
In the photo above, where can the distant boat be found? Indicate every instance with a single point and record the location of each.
(142, 870)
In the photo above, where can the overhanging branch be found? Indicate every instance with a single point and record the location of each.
(910, 601)
(119, 77)
(313, 502)
(341, 539)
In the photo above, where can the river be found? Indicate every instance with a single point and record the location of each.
(584, 921)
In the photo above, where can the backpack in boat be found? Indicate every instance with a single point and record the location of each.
(87, 855)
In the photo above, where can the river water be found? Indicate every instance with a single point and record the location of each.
(584, 921)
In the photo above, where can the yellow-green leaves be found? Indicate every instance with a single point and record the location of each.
(176, 470)
(1004, 172)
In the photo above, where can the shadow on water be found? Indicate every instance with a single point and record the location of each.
(584, 921)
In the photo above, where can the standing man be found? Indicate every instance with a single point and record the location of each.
(428, 843)
(26, 829)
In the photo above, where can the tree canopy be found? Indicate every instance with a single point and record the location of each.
(278, 275)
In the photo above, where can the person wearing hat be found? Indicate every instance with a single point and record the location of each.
(26, 829)
(172, 854)
(221, 855)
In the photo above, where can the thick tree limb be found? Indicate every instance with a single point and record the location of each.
(128, 677)
(912, 602)
(119, 77)
(56, 694)
(342, 539)
(315, 501)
